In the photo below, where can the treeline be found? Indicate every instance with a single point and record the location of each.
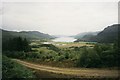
(16, 44)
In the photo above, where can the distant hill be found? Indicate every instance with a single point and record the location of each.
(109, 34)
(32, 35)
(87, 37)
(81, 35)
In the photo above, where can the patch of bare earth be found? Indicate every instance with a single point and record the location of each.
(49, 71)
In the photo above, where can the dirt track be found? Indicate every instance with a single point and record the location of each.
(79, 72)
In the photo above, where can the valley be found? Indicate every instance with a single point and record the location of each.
(64, 57)
(59, 40)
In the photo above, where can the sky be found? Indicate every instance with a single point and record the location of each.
(59, 18)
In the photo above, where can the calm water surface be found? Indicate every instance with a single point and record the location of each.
(64, 39)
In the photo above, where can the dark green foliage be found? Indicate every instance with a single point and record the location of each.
(59, 58)
(50, 46)
(83, 59)
(14, 54)
(35, 46)
(66, 55)
(89, 58)
(108, 58)
(77, 48)
(116, 48)
(102, 55)
(16, 44)
(21, 55)
(11, 69)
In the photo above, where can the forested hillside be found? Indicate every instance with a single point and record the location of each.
(82, 35)
(32, 35)
(108, 35)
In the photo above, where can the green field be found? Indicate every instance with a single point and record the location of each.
(66, 44)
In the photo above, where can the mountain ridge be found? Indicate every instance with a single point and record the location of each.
(108, 35)
(32, 35)
(81, 35)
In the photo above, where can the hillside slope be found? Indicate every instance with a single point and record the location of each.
(81, 35)
(32, 35)
(108, 35)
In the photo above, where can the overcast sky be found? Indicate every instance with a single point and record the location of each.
(59, 18)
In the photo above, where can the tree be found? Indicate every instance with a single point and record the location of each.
(16, 44)
(26, 46)
(83, 59)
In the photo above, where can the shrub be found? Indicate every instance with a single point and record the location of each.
(11, 69)
(102, 55)
(50, 46)
(59, 58)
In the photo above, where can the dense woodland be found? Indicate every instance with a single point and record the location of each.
(16, 44)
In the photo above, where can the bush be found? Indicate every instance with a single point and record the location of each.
(59, 58)
(51, 47)
(15, 54)
(11, 69)
(101, 55)
(83, 59)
